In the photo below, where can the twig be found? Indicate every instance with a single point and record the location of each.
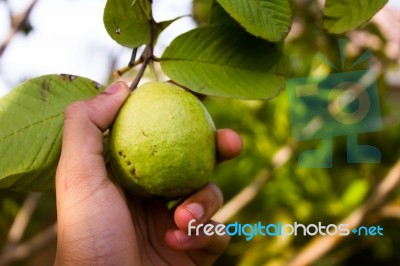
(390, 211)
(148, 54)
(244, 197)
(145, 62)
(133, 58)
(132, 63)
(31, 246)
(247, 194)
(17, 25)
(20, 223)
(21, 220)
(319, 246)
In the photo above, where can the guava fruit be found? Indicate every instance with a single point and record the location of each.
(162, 142)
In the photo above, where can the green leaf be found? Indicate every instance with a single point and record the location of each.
(218, 16)
(345, 15)
(31, 120)
(268, 19)
(225, 61)
(127, 21)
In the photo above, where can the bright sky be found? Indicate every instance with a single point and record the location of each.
(69, 37)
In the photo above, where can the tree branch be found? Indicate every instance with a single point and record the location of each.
(24, 250)
(18, 23)
(22, 219)
(14, 250)
(148, 54)
(247, 194)
(319, 246)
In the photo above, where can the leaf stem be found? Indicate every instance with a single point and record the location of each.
(133, 57)
(120, 72)
(148, 54)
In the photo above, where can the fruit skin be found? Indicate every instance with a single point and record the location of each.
(162, 142)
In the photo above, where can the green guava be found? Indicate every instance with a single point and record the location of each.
(162, 142)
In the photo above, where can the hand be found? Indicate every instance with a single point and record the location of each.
(99, 225)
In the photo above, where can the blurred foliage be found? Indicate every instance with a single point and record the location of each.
(292, 193)
(300, 194)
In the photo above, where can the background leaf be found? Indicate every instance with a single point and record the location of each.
(225, 61)
(31, 120)
(345, 15)
(127, 21)
(268, 19)
(355, 193)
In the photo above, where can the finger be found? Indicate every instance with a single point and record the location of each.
(87, 119)
(82, 144)
(204, 248)
(85, 195)
(229, 144)
(200, 206)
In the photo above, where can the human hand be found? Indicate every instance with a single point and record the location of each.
(99, 225)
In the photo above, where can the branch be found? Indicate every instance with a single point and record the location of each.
(18, 23)
(145, 58)
(390, 211)
(247, 194)
(319, 246)
(24, 250)
(21, 220)
(132, 63)
(148, 54)
(244, 197)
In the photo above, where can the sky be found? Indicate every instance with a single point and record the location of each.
(69, 37)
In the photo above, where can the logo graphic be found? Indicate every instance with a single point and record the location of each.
(282, 230)
(340, 104)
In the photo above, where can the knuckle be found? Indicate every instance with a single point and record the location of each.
(75, 110)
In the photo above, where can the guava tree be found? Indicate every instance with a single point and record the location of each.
(236, 52)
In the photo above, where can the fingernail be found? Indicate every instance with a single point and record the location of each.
(113, 88)
(196, 210)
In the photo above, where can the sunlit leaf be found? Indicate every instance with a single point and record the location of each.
(218, 16)
(225, 61)
(345, 15)
(127, 21)
(31, 120)
(268, 19)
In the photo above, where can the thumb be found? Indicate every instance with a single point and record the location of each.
(102, 109)
(84, 121)
(89, 205)
(82, 143)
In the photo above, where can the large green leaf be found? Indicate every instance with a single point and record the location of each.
(31, 120)
(127, 21)
(268, 19)
(218, 16)
(344, 15)
(225, 61)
